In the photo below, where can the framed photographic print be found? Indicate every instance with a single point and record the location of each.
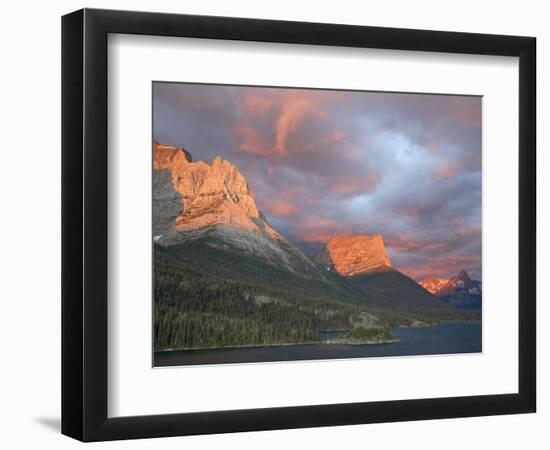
(273, 224)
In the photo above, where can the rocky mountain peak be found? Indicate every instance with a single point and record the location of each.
(463, 275)
(462, 280)
(167, 155)
(215, 194)
(459, 282)
(217, 162)
(354, 254)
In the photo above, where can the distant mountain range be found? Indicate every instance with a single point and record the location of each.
(224, 276)
(459, 290)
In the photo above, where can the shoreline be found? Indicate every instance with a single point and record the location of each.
(355, 342)
(331, 342)
(327, 342)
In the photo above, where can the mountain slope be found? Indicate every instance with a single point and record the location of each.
(397, 291)
(363, 262)
(207, 296)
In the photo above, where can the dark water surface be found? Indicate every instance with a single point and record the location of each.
(444, 338)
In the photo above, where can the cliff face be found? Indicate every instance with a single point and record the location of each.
(351, 255)
(215, 194)
(210, 204)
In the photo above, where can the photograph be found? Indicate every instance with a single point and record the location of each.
(295, 224)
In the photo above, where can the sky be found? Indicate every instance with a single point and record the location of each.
(327, 162)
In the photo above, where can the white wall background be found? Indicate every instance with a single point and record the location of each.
(30, 201)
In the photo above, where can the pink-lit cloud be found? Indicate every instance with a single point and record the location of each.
(294, 109)
(445, 172)
(255, 104)
(410, 244)
(334, 136)
(250, 141)
(350, 186)
(280, 208)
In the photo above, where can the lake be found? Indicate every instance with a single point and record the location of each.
(446, 337)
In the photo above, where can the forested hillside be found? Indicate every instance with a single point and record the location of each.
(211, 295)
(205, 297)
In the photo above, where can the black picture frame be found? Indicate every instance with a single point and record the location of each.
(84, 224)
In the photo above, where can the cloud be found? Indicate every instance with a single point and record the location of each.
(294, 109)
(409, 244)
(280, 208)
(251, 141)
(334, 136)
(350, 185)
(445, 172)
(255, 104)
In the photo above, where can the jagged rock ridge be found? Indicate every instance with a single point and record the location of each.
(460, 290)
(461, 283)
(215, 194)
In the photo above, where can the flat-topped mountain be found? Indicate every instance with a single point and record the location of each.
(353, 254)
(366, 266)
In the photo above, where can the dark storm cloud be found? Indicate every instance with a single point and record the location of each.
(406, 166)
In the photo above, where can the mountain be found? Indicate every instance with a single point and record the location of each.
(215, 194)
(195, 201)
(363, 261)
(461, 291)
(432, 285)
(458, 283)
